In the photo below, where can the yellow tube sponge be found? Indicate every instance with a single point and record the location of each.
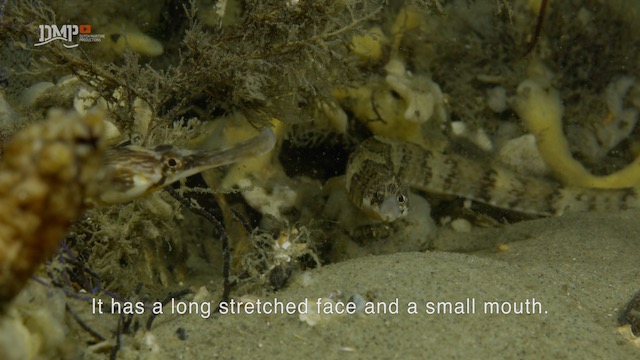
(369, 45)
(119, 38)
(407, 19)
(540, 109)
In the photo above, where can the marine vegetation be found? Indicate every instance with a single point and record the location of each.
(233, 145)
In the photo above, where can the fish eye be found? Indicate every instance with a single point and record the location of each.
(171, 162)
(402, 199)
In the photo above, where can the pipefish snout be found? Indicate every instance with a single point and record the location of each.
(130, 172)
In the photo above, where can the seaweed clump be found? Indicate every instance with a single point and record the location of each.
(267, 64)
(273, 61)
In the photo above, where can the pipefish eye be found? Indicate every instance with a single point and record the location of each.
(173, 163)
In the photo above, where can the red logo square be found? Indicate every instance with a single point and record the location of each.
(85, 29)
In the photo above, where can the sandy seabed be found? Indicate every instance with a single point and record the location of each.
(581, 270)
(558, 286)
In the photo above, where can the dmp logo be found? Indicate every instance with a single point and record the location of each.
(49, 33)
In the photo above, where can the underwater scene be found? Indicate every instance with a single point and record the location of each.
(319, 179)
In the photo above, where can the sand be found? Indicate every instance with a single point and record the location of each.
(568, 278)
(580, 268)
